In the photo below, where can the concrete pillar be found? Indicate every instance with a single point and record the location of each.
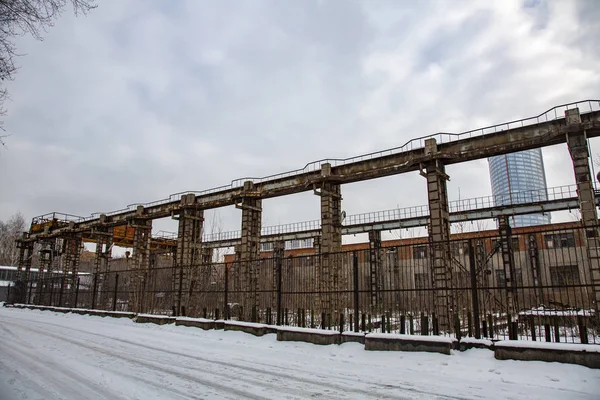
(140, 261)
(71, 256)
(249, 250)
(331, 240)
(439, 236)
(104, 237)
(25, 255)
(577, 144)
(188, 254)
(375, 269)
(508, 262)
(47, 252)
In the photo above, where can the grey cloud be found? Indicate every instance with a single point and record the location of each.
(142, 99)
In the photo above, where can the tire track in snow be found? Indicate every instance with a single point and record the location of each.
(260, 384)
(43, 367)
(342, 389)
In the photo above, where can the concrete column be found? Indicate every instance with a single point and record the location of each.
(375, 263)
(71, 257)
(188, 255)
(249, 250)
(439, 235)
(577, 144)
(104, 237)
(140, 261)
(47, 252)
(331, 240)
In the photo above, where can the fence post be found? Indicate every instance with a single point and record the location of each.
(62, 288)
(30, 290)
(278, 268)
(355, 274)
(474, 294)
(114, 308)
(76, 293)
(226, 294)
(51, 292)
(342, 323)
(8, 293)
(582, 330)
(94, 292)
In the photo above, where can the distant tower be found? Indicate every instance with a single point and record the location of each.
(520, 178)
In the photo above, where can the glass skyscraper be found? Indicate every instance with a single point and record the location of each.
(520, 178)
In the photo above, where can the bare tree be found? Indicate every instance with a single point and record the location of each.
(22, 17)
(10, 231)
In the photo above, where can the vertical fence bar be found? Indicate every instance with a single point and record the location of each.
(474, 294)
(94, 291)
(62, 288)
(278, 268)
(226, 294)
(356, 303)
(51, 292)
(30, 290)
(76, 294)
(114, 307)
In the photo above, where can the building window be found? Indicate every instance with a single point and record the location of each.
(391, 256)
(459, 248)
(559, 240)
(514, 240)
(422, 281)
(564, 275)
(266, 246)
(420, 252)
(501, 278)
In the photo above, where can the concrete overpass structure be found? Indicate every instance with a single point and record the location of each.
(429, 155)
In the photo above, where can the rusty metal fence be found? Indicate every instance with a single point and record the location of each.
(544, 293)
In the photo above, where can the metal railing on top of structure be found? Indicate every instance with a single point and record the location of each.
(554, 113)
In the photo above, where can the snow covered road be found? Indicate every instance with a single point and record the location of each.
(44, 355)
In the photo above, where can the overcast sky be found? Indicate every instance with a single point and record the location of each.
(141, 99)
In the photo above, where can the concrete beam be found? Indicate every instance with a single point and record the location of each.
(379, 165)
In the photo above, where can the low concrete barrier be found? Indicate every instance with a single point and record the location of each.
(472, 343)
(390, 341)
(248, 327)
(202, 323)
(114, 314)
(587, 355)
(308, 335)
(352, 337)
(154, 319)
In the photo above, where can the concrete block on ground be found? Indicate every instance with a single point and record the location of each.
(114, 314)
(467, 343)
(220, 324)
(587, 355)
(154, 319)
(248, 327)
(394, 342)
(202, 323)
(308, 335)
(353, 337)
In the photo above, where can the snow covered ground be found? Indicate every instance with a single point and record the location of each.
(46, 355)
